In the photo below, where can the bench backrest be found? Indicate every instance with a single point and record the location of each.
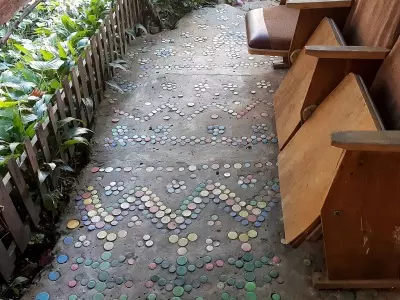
(385, 90)
(373, 23)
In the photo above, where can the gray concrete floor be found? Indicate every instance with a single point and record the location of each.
(160, 135)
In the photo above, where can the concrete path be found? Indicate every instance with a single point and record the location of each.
(181, 199)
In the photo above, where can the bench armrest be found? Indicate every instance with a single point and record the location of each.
(316, 4)
(380, 141)
(347, 52)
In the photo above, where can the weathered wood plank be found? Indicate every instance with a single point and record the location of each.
(18, 230)
(31, 155)
(7, 262)
(54, 128)
(97, 68)
(68, 96)
(106, 48)
(90, 71)
(78, 96)
(110, 39)
(61, 111)
(23, 192)
(84, 84)
(114, 31)
(120, 26)
(128, 19)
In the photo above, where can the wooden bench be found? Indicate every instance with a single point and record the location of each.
(283, 30)
(330, 55)
(342, 169)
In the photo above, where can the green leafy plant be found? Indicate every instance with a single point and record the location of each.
(35, 59)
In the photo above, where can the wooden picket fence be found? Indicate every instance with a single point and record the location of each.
(19, 215)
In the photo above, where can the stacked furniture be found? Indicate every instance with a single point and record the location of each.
(338, 119)
(283, 30)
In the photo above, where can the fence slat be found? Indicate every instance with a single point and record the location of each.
(44, 146)
(84, 83)
(78, 96)
(23, 192)
(99, 76)
(134, 12)
(31, 155)
(110, 40)
(54, 126)
(128, 19)
(102, 38)
(68, 96)
(43, 142)
(61, 111)
(7, 260)
(121, 33)
(114, 32)
(18, 230)
(90, 71)
(123, 18)
(101, 55)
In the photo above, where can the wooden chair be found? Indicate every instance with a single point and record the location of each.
(283, 30)
(372, 26)
(341, 168)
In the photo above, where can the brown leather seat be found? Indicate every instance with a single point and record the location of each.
(271, 28)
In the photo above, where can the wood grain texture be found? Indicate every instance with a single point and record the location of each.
(288, 99)
(385, 89)
(363, 203)
(308, 163)
(309, 20)
(7, 263)
(373, 23)
(9, 7)
(315, 4)
(376, 141)
(19, 231)
(23, 192)
(347, 52)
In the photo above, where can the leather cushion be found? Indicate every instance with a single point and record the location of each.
(271, 28)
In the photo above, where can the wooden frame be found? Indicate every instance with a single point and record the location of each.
(311, 14)
(88, 80)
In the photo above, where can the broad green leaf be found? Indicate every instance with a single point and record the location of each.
(68, 120)
(117, 66)
(120, 61)
(22, 49)
(66, 168)
(78, 131)
(3, 66)
(131, 32)
(47, 55)
(54, 64)
(52, 166)
(18, 125)
(74, 141)
(49, 203)
(6, 104)
(116, 86)
(141, 27)
(42, 175)
(68, 23)
(19, 280)
(29, 118)
(61, 51)
(30, 131)
(13, 146)
(55, 84)
(30, 75)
